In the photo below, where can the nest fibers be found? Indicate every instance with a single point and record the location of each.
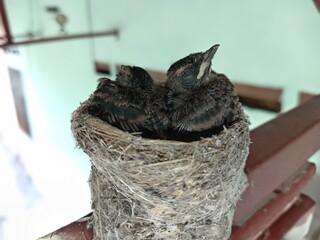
(158, 189)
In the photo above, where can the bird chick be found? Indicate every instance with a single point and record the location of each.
(127, 102)
(199, 99)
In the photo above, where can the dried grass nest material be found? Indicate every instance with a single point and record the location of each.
(159, 189)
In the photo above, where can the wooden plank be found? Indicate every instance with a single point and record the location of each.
(278, 149)
(304, 96)
(317, 3)
(102, 67)
(259, 97)
(264, 217)
(293, 219)
(77, 230)
(5, 22)
(158, 75)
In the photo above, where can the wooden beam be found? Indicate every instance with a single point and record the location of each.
(5, 22)
(278, 205)
(317, 3)
(103, 68)
(278, 148)
(77, 230)
(304, 96)
(294, 218)
(259, 97)
(158, 75)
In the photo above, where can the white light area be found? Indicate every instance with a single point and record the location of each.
(64, 193)
(11, 199)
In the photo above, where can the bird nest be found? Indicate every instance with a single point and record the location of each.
(160, 189)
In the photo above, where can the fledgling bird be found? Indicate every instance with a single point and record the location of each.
(127, 102)
(199, 99)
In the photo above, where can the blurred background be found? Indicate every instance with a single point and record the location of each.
(271, 46)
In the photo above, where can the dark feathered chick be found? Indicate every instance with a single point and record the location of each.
(199, 99)
(127, 103)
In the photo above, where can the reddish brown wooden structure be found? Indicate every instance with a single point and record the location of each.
(295, 216)
(277, 170)
(305, 96)
(317, 3)
(4, 22)
(260, 97)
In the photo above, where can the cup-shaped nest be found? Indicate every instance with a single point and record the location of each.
(161, 189)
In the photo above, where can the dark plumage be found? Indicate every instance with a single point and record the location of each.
(199, 99)
(160, 110)
(127, 102)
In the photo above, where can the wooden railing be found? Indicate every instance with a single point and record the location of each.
(277, 169)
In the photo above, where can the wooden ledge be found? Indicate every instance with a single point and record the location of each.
(295, 217)
(304, 96)
(103, 68)
(279, 147)
(279, 204)
(259, 97)
(77, 230)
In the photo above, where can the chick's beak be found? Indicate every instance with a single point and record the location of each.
(208, 55)
(206, 61)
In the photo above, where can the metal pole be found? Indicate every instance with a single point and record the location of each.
(50, 39)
